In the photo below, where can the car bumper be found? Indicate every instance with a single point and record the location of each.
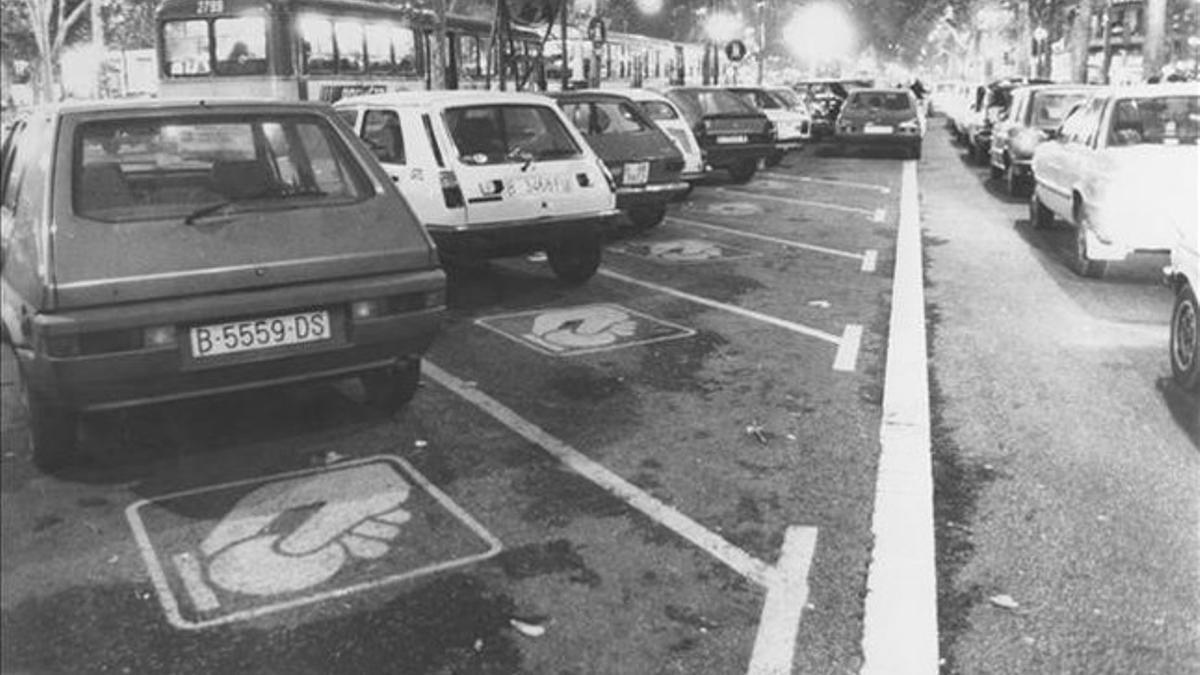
(890, 140)
(122, 379)
(659, 193)
(517, 237)
(722, 156)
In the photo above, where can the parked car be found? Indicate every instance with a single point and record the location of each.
(878, 118)
(671, 120)
(824, 98)
(492, 174)
(733, 135)
(163, 250)
(1183, 276)
(1123, 171)
(1035, 114)
(792, 126)
(643, 160)
(992, 102)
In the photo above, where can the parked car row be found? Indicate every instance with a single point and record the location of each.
(284, 242)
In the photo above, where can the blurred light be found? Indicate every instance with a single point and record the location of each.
(820, 32)
(649, 6)
(1040, 34)
(722, 27)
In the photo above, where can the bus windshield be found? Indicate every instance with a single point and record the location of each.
(238, 45)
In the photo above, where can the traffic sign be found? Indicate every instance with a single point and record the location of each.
(735, 50)
(597, 32)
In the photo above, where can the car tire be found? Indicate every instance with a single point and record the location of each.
(646, 217)
(390, 389)
(1080, 262)
(53, 430)
(743, 171)
(1040, 216)
(575, 260)
(1185, 343)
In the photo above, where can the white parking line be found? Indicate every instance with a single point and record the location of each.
(882, 189)
(873, 214)
(735, 558)
(847, 354)
(868, 257)
(900, 635)
(786, 582)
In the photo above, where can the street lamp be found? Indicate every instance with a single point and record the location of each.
(1039, 51)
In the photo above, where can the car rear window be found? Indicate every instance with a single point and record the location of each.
(878, 100)
(494, 134)
(1161, 120)
(142, 169)
(604, 118)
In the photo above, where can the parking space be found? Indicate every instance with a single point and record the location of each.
(656, 471)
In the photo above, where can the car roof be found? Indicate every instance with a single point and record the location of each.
(881, 90)
(163, 104)
(590, 95)
(446, 97)
(639, 94)
(1152, 90)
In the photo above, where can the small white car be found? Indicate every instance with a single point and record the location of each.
(670, 119)
(1123, 171)
(492, 174)
(792, 127)
(1183, 276)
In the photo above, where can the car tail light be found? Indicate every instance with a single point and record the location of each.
(910, 126)
(158, 336)
(451, 192)
(62, 345)
(105, 342)
(365, 309)
(362, 310)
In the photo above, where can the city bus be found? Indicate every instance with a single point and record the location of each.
(327, 49)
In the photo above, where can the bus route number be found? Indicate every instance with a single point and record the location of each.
(210, 6)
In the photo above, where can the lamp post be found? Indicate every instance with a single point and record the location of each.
(1039, 50)
(761, 5)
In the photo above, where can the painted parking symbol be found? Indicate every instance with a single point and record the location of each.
(239, 550)
(734, 209)
(683, 250)
(583, 329)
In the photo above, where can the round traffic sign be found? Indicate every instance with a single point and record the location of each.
(735, 50)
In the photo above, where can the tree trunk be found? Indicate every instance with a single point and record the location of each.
(1081, 37)
(1106, 55)
(1024, 39)
(1155, 39)
(437, 62)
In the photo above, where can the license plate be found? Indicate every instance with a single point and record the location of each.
(541, 184)
(876, 129)
(254, 334)
(740, 138)
(635, 173)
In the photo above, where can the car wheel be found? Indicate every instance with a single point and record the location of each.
(743, 171)
(1081, 263)
(53, 430)
(646, 217)
(1040, 216)
(389, 389)
(1185, 344)
(575, 260)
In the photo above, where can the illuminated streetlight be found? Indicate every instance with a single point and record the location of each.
(649, 6)
(723, 27)
(820, 32)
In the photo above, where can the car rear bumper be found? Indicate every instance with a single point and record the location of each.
(877, 140)
(722, 156)
(658, 193)
(517, 237)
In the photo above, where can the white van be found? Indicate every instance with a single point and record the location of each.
(492, 174)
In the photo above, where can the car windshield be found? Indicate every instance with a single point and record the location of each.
(141, 169)
(658, 110)
(878, 100)
(1050, 108)
(788, 98)
(604, 117)
(717, 101)
(493, 134)
(1161, 120)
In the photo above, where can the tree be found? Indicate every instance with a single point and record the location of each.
(48, 26)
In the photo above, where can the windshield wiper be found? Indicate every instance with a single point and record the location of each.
(275, 192)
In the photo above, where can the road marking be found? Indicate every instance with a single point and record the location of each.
(870, 213)
(880, 215)
(582, 329)
(786, 582)
(682, 251)
(847, 343)
(733, 557)
(775, 645)
(882, 189)
(868, 257)
(900, 634)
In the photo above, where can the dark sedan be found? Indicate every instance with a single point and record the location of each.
(881, 118)
(733, 135)
(643, 160)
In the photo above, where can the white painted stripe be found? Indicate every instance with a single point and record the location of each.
(798, 202)
(847, 353)
(882, 189)
(775, 645)
(900, 615)
(880, 215)
(735, 558)
(763, 237)
(203, 598)
(765, 318)
(870, 258)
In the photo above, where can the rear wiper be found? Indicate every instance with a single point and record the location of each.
(276, 192)
(523, 155)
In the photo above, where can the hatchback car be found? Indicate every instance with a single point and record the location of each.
(792, 126)
(671, 120)
(881, 118)
(492, 174)
(155, 251)
(1034, 115)
(1123, 172)
(732, 134)
(1183, 276)
(644, 162)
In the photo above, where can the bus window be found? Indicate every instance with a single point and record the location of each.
(468, 56)
(379, 48)
(404, 46)
(241, 46)
(185, 48)
(317, 34)
(349, 37)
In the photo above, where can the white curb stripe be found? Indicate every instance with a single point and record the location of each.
(735, 558)
(900, 635)
(775, 645)
(800, 202)
(763, 237)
